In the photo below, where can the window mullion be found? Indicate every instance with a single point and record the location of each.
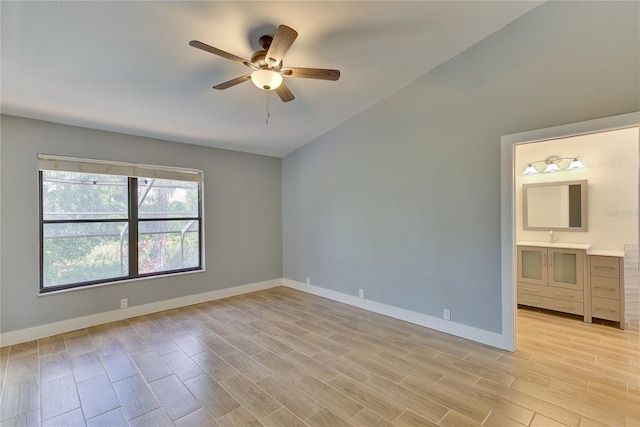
(133, 227)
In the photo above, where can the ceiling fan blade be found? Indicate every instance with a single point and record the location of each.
(233, 82)
(312, 73)
(203, 46)
(280, 44)
(284, 93)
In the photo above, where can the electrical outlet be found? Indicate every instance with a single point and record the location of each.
(124, 303)
(361, 293)
(308, 280)
(446, 314)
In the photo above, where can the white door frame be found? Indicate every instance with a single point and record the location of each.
(507, 208)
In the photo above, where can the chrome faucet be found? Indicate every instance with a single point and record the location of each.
(551, 239)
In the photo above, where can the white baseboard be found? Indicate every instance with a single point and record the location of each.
(42, 331)
(485, 337)
(37, 332)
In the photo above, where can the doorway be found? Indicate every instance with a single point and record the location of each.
(508, 197)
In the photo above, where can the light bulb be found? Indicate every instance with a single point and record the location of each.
(551, 167)
(575, 164)
(530, 170)
(266, 79)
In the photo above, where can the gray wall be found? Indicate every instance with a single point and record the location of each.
(243, 220)
(403, 200)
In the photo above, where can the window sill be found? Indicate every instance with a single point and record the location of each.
(118, 282)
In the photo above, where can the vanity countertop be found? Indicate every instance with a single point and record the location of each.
(583, 246)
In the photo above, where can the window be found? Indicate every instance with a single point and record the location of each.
(92, 214)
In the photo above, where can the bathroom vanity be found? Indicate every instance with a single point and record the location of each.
(571, 278)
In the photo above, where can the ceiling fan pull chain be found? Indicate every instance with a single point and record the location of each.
(268, 113)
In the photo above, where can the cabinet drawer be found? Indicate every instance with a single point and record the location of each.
(605, 287)
(605, 266)
(604, 308)
(550, 292)
(551, 303)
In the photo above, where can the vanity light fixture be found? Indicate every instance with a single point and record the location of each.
(553, 165)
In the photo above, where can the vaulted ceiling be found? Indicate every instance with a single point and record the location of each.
(127, 66)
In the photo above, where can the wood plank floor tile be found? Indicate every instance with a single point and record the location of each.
(135, 396)
(216, 343)
(249, 367)
(497, 419)
(118, 366)
(213, 365)
(211, 395)
(19, 396)
(466, 405)
(328, 396)
(271, 344)
(370, 399)
(239, 418)
(368, 418)
(540, 406)
(284, 368)
(189, 344)
(58, 396)
(400, 394)
(327, 418)
(198, 418)
(156, 418)
(161, 343)
(411, 419)
(21, 367)
(174, 397)
(112, 418)
(344, 366)
(299, 344)
(78, 344)
(51, 345)
(252, 397)
(289, 396)
(97, 396)
(105, 342)
(28, 419)
(54, 366)
(306, 356)
(245, 344)
(182, 365)
(311, 366)
(86, 365)
(151, 366)
(456, 419)
(69, 419)
(281, 418)
(23, 349)
(376, 366)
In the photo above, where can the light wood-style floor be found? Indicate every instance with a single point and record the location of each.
(281, 357)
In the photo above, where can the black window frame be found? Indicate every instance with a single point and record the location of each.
(133, 222)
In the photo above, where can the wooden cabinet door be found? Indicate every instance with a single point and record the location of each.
(532, 265)
(565, 268)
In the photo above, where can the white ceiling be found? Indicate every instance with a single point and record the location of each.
(127, 66)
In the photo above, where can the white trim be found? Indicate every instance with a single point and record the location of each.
(485, 337)
(109, 167)
(42, 331)
(507, 183)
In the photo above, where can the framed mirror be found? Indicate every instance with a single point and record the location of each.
(555, 206)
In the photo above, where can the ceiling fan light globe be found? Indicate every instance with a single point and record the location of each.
(266, 79)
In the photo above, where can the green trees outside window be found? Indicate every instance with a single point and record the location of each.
(89, 223)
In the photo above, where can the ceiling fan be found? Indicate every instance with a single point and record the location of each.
(268, 70)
